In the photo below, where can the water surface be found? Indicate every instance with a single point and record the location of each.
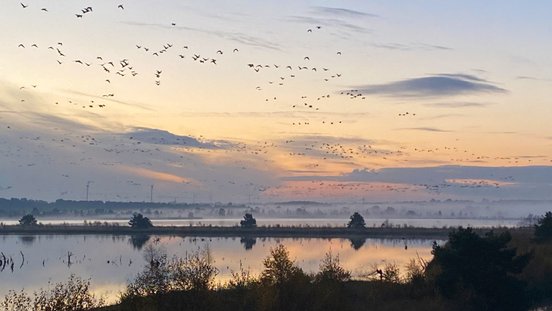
(110, 261)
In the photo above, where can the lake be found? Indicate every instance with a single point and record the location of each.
(110, 261)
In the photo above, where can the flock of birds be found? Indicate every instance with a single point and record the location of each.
(313, 155)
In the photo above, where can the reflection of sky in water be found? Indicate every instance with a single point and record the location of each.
(330, 222)
(110, 261)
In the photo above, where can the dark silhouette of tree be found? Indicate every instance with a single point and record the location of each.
(285, 284)
(193, 272)
(138, 221)
(248, 221)
(357, 221)
(479, 271)
(543, 228)
(28, 220)
(279, 268)
(331, 270)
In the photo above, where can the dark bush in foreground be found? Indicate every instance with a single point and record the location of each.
(543, 229)
(479, 271)
(74, 295)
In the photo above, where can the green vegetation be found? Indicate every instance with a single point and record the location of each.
(73, 295)
(248, 221)
(138, 221)
(469, 272)
(479, 271)
(357, 221)
(28, 220)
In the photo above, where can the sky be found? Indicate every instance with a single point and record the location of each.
(250, 101)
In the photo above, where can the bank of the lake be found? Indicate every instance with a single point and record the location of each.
(215, 231)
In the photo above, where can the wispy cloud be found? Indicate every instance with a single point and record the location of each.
(416, 46)
(424, 129)
(329, 22)
(458, 105)
(342, 12)
(239, 37)
(441, 85)
(161, 137)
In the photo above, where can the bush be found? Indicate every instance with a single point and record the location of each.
(138, 221)
(479, 271)
(331, 270)
(248, 221)
(74, 295)
(28, 220)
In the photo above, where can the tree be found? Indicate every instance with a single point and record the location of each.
(154, 279)
(284, 284)
(138, 221)
(248, 221)
(356, 222)
(28, 220)
(193, 272)
(331, 270)
(543, 229)
(279, 268)
(479, 270)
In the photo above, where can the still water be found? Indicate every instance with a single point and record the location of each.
(110, 261)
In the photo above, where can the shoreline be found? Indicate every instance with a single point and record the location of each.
(217, 231)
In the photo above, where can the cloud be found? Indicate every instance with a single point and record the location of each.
(328, 22)
(155, 175)
(342, 12)
(424, 129)
(410, 46)
(440, 85)
(161, 137)
(233, 36)
(458, 105)
(443, 116)
(108, 99)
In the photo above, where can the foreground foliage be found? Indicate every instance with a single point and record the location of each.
(543, 229)
(74, 295)
(479, 271)
(469, 272)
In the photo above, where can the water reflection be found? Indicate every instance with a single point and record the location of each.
(27, 239)
(357, 243)
(248, 242)
(139, 240)
(110, 261)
